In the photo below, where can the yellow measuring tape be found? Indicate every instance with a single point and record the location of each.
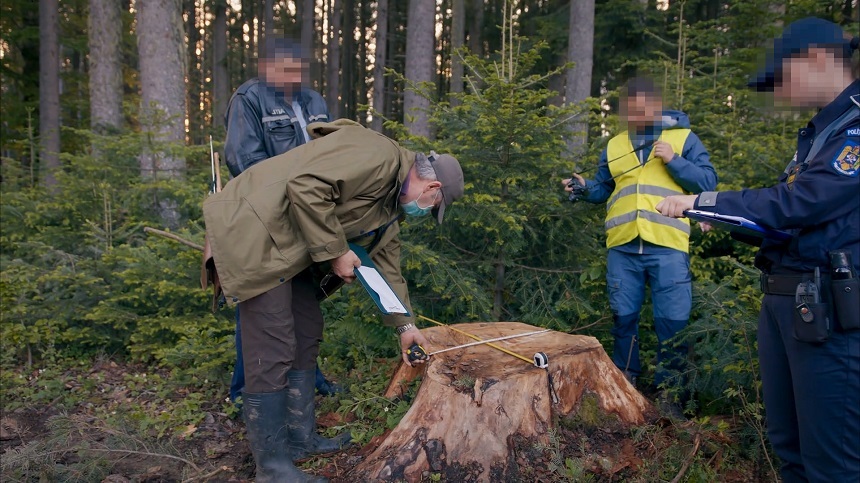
(494, 346)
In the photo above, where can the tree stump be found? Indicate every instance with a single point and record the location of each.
(475, 403)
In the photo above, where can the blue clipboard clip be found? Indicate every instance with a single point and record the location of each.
(738, 224)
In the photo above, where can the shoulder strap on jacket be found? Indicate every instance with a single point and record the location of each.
(841, 122)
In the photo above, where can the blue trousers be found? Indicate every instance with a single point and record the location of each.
(811, 397)
(667, 273)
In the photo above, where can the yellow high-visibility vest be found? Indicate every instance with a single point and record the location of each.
(630, 211)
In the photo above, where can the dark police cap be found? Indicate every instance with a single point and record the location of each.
(796, 39)
(450, 174)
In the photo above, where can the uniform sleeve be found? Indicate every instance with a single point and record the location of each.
(244, 146)
(829, 189)
(602, 186)
(692, 169)
(387, 261)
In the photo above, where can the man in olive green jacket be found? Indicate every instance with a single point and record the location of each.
(282, 218)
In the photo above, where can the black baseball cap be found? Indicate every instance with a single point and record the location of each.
(796, 39)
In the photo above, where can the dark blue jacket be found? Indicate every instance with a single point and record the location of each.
(261, 123)
(820, 206)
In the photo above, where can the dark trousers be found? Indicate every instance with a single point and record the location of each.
(811, 396)
(281, 330)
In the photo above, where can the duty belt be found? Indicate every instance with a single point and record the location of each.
(786, 284)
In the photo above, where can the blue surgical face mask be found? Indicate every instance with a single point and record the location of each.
(412, 208)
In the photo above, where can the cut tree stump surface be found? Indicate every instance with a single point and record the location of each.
(475, 403)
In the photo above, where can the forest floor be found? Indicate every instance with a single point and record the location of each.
(83, 442)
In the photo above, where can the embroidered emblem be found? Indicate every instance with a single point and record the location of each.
(847, 160)
(852, 131)
(792, 175)
(277, 111)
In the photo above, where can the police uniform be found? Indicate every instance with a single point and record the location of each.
(643, 245)
(811, 381)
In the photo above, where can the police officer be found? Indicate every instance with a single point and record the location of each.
(267, 116)
(808, 337)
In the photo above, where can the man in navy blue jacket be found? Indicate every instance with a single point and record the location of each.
(809, 325)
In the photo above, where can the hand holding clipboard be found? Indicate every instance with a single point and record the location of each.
(737, 224)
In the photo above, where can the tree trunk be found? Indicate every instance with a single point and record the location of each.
(220, 79)
(458, 37)
(162, 83)
(379, 61)
(105, 30)
(476, 42)
(49, 90)
(161, 47)
(348, 58)
(194, 85)
(477, 406)
(332, 67)
(580, 50)
(310, 40)
(268, 19)
(420, 64)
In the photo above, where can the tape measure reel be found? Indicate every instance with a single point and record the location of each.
(541, 360)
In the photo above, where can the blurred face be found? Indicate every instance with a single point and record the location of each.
(801, 81)
(287, 74)
(642, 110)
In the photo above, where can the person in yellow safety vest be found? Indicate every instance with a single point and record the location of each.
(657, 156)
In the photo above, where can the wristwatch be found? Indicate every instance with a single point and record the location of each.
(403, 328)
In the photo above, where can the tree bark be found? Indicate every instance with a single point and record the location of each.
(220, 79)
(161, 48)
(194, 85)
(268, 19)
(105, 61)
(332, 68)
(580, 50)
(379, 61)
(477, 405)
(348, 59)
(49, 90)
(420, 64)
(458, 37)
(476, 42)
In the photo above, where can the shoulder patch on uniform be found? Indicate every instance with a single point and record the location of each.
(847, 160)
(852, 131)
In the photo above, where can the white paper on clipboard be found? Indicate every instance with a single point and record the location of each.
(388, 300)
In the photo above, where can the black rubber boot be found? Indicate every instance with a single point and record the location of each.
(265, 423)
(301, 420)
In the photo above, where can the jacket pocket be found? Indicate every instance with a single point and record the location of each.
(281, 131)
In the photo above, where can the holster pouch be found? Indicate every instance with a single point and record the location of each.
(811, 315)
(812, 322)
(209, 274)
(846, 302)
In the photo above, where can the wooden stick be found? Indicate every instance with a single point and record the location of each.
(173, 237)
(697, 441)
